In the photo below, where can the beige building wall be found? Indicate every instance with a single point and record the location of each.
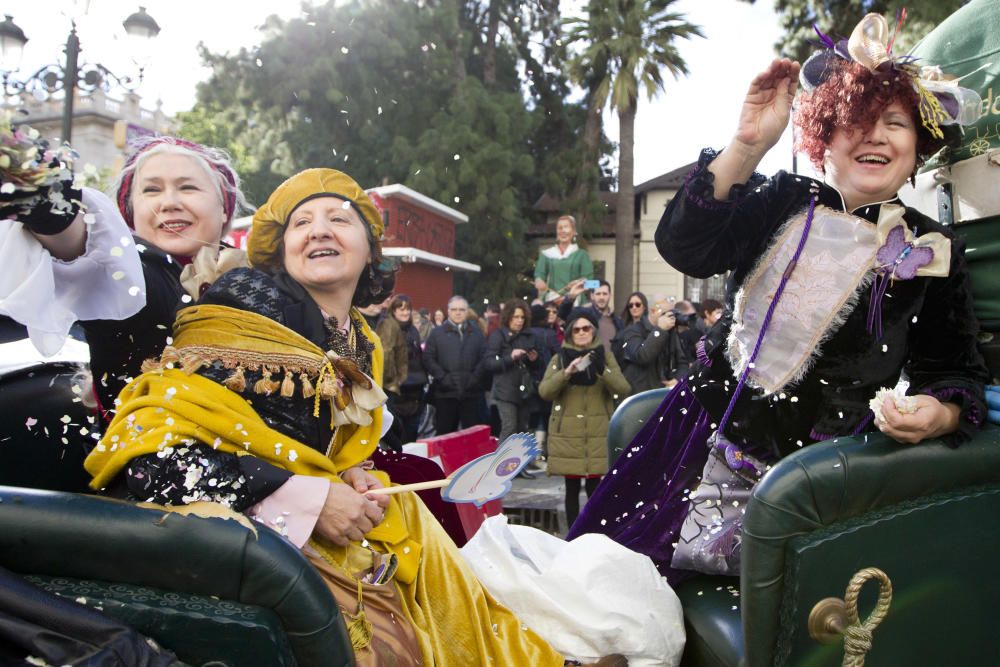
(655, 277)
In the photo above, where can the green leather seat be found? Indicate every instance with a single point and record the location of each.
(629, 418)
(982, 239)
(925, 515)
(207, 589)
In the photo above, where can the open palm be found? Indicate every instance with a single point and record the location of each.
(768, 105)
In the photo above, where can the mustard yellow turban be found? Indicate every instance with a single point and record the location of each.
(264, 243)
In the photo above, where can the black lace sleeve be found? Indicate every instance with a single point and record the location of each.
(190, 473)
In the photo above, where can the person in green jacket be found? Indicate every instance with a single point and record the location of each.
(583, 384)
(562, 265)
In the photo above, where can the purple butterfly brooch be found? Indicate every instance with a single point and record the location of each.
(903, 257)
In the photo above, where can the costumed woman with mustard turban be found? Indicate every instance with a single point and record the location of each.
(835, 289)
(268, 401)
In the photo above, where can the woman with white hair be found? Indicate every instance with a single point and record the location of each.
(179, 198)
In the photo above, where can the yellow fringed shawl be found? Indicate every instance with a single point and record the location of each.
(170, 408)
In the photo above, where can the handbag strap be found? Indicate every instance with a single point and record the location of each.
(785, 277)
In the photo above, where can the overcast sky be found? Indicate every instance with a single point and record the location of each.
(699, 110)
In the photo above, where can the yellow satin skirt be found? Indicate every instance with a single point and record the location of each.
(457, 623)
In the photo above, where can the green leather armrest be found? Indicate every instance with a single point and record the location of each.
(629, 418)
(85, 537)
(922, 513)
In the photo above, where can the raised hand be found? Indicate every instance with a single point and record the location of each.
(768, 105)
(763, 118)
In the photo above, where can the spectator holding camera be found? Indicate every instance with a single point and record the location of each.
(513, 358)
(685, 315)
(654, 356)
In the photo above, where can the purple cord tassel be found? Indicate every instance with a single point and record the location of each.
(879, 287)
(767, 316)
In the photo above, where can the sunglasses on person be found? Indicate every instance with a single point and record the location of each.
(635, 304)
(582, 329)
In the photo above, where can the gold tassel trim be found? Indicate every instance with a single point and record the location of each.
(359, 628)
(237, 381)
(288, 385)
(307, 387)
(327, 387)
(265, 385)
(191, 363)
(170, 356)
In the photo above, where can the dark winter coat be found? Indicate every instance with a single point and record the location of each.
(396, 366)
(508, 375)
(454, 358)
(651, 355)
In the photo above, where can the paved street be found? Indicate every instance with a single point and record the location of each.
(538, 502)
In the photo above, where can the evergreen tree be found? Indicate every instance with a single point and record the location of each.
(390, 91)
(837, 19)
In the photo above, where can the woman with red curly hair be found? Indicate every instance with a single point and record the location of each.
(835, 289)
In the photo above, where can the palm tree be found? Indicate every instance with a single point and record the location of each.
(626, 43)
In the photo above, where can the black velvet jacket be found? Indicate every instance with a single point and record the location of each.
(118, 348)
(929, 330)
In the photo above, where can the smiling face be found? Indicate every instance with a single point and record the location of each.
(565, 231)
(869, 166)
(176, 205)
(403, 313)
(326, 246)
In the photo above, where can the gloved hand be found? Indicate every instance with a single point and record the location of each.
(993, 403)
(47, 210)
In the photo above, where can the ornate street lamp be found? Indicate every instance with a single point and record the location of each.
(72, 75)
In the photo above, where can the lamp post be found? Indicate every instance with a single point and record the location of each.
(72, 75)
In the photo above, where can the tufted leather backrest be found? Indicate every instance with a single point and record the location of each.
(63, 534)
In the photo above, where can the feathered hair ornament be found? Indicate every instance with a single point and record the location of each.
(942, 100)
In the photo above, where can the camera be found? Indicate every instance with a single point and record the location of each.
(681, 318)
